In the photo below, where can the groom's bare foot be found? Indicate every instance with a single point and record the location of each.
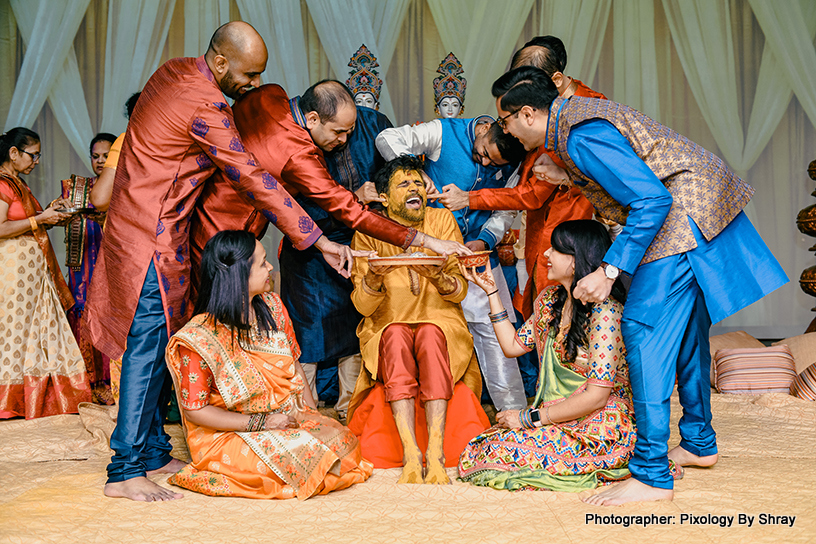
(170, 468)
(629, 491)
(140, 489)
(684, 458)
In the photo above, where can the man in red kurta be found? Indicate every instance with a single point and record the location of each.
(282, 140)
(181, 133)
(547, 205)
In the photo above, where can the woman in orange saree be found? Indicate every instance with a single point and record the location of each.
(251, 425)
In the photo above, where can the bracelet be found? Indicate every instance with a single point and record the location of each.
(547, 415)
(256, 422)
(33, 223)
(492, 293)
(498, 317)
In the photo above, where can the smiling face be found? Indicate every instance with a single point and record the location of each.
(366, 100)
(449, 107)
(259, 270)
(560, 267)
(527, 124)
(485, 151)
(406, 198)
(241, 75)
(332, 135)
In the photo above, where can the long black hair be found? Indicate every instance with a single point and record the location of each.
(587, 241)
(223, 291)
(18, 137)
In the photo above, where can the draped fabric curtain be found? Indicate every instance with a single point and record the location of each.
(50, 69)
(201, 18)
(761, 132)
(8, 57)
(344, 26)
(280, 23)
(581, 24)
(482, 34)
(702, 32)
(137, 31)
(789, 31)
(636, 78)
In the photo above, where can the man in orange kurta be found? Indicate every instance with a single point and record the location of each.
(546, 205)
(180, 134)
(416, 347)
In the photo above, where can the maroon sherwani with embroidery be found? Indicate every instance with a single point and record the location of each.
(287, 151)
(181, 133)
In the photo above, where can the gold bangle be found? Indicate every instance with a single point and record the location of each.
(33, 223)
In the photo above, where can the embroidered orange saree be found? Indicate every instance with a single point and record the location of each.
(209, 368)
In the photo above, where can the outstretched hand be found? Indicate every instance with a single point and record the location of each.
(430, 188)
(454, 198)
(368, 193)
(338, 256)
(445, 247)
(484, 279)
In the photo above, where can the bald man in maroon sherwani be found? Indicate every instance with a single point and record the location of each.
(180, 134)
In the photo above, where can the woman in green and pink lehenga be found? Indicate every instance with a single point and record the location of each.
(580, 431)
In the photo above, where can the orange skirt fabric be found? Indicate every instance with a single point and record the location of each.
(373, 423)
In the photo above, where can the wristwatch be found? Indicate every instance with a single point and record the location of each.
(612, 272)
(535, 417)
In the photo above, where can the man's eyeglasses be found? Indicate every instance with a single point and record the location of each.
(502, 121)
(34, 156)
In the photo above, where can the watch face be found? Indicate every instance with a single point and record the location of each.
(535, 415)
(612, 272)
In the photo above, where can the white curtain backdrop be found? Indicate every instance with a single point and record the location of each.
(344, 26)
(581, 24)
(719, 59)
(482, 34)
(201, 18)
(137, 31)
(280, 23)
(50, 69)
(636, 81)
(788, 28)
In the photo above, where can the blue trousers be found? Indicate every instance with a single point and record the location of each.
(139, 442)
(673, 343)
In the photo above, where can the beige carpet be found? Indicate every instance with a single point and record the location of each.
(52, 471)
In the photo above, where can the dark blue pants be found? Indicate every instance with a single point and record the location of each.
(139, 441)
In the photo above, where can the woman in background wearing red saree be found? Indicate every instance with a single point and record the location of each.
(41, 368)
(251, 425)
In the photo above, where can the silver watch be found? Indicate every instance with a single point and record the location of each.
(612, 272)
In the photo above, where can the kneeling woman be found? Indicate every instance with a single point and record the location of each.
(581, 430)
(251, 425)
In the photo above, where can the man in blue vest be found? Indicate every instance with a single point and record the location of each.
(471, 154)
(693, 255)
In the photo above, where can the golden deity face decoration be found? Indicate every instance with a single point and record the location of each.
(406, 198)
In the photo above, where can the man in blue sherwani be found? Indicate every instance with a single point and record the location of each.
(693, 255)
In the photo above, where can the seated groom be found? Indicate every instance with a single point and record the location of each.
(417, 352)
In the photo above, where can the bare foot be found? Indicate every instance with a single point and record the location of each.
(436, 474)
(170, 468)
(140, 489)
(684, 458)
(629, 491)
(411, 473)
